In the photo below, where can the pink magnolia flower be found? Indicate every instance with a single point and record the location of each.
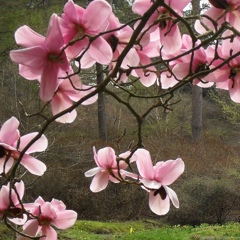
(76, 22)
(221, 11)
(10, 202)
(47, 214)
(155, 180)
(170, 36)
(67, 93)
(227, 77)
(187, 65)
(107, 168)
(42, 58)
(11, 145)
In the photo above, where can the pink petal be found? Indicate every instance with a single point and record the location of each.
(5, 167)
(9, 132)
(49, 80)
(92, 172)
(151, 184)
(32, 57)
(169, 171)
(20, 192)
(157, 205)
(47, 211)
(100, 51)
(141, 6)
(33, 165)
(50, 233)
(65, 219)
(99, 182)
(85, 92)
(144, 163)
(38, 146)
(4, 198)
(173, 196)
(29, 73)
(106, 157)
(19, 221)
(58, 205)
(26, 37)
(86, 61)
(167, 80)
(61, 102)
(31, 229)
(171, 40)
(54, 41)
(96, 15)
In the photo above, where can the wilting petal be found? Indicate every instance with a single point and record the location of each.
(158, 205)
(33, 165)
(65, 219)
(169, 171)
(26, 37)
(99, 182)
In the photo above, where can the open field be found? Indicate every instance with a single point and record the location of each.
(142, 230)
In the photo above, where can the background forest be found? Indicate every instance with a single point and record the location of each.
(209, 188)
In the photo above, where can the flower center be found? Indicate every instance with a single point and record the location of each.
(2, 152)
(202, 67)
(221, 4)
(113, 40)
(162, 192)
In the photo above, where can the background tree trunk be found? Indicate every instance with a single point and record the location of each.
(197, 98)
(102, 126)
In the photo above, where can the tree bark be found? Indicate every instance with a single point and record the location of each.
(197, 98)
(102, 126)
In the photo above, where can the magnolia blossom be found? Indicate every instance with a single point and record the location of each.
(47, 213)
(227, 77)
(170, 36)
(43, 58)
(77, 22)
(155, 180)
(69, 91)
(190, 63)
(221, 11)
(10, 198)
(11, 145)
(107, 168)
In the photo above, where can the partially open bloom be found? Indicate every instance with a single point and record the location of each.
(10, 205)
(11, 145)
(77, 22)
(155, 180)
(107, 168)
(47, 214)
(42, 58)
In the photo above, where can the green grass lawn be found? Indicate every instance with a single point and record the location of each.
(147, 230)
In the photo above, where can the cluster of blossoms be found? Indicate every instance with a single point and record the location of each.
(83, 37)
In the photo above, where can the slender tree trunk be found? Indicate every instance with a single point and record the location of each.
(102, 126)
(197, 98)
